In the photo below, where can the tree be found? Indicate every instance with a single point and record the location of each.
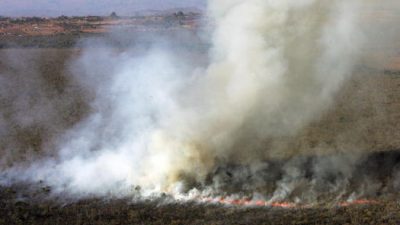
(114, 15)
(180, 15)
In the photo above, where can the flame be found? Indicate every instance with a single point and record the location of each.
(286, 205)
(358, 202)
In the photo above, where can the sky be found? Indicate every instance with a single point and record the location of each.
(89, 7)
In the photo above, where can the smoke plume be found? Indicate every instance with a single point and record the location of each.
(275, 66)
(163, 121)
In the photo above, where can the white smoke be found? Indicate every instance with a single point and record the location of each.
(275, 66)
(161, 122)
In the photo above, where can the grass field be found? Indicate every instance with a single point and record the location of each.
(366, 117)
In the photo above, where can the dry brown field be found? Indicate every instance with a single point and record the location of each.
(364, 119)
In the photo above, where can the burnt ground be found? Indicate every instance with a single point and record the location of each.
(35, 204)
(17, 208)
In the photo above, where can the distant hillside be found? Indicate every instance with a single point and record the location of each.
(52, 8)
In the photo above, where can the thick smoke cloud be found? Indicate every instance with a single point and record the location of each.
(162, 121)
(275, 66)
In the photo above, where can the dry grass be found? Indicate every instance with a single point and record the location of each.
(366, 116)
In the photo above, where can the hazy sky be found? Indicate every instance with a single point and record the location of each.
(85, 7)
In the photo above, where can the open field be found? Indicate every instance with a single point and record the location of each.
(36, 61)
(66, 32)
(366, 116)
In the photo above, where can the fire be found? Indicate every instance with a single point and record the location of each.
(358, 202)
(285, 205)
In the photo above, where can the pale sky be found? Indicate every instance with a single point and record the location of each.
(92, 7)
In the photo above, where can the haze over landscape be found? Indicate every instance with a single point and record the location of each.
(93, 7)
(170, 112)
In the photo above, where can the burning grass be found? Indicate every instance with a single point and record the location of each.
(19, 206)
(284, 205)
(22, 205)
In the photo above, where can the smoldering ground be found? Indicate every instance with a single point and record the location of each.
(157, 117)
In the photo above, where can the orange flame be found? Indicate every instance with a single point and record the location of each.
(286, 205)
(358, 202)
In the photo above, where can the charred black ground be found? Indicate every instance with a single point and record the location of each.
(35, 203)
(98, 211)
(373, 176)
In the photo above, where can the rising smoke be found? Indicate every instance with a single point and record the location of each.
(164, 122)
(275, 66)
